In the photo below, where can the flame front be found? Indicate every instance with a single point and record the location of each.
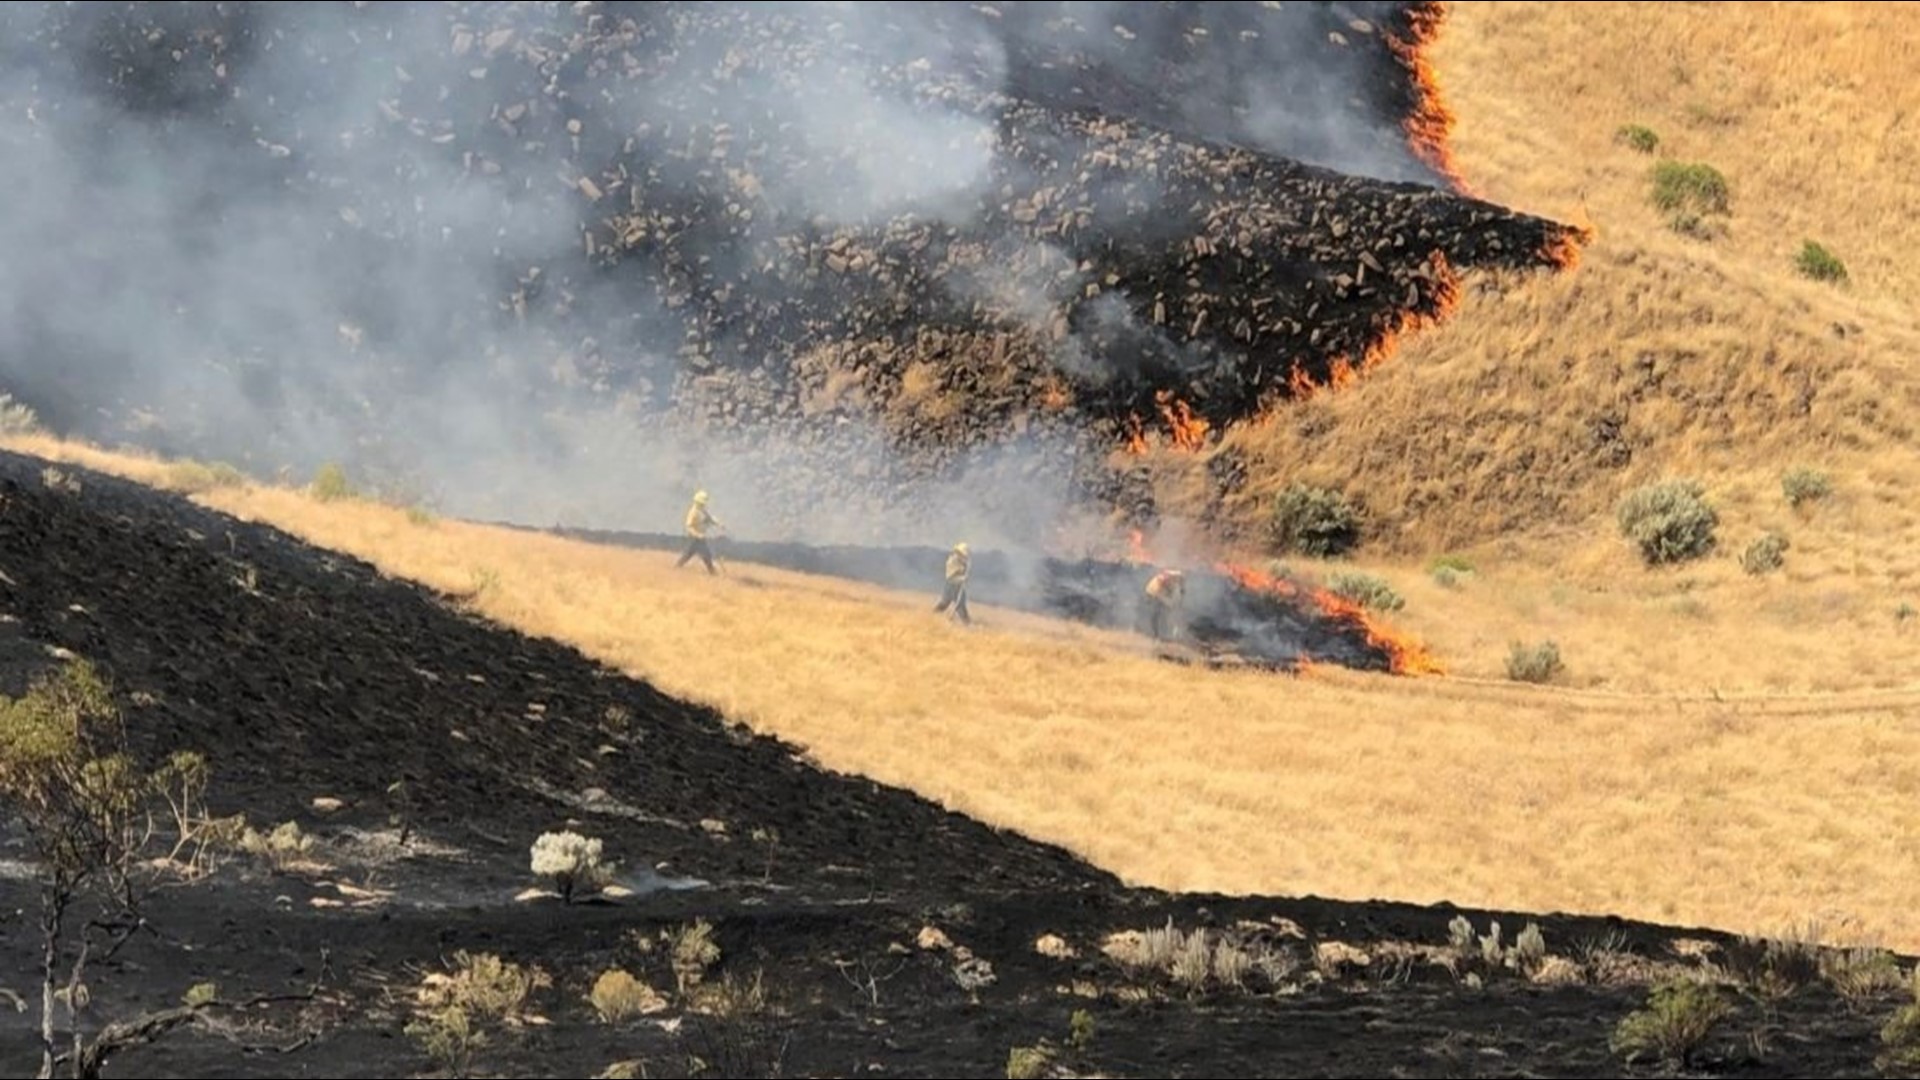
(1189, 432)
(1429, 126)
(1405, 656)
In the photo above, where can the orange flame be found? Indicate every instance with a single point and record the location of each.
(1430, 126)
(1562, 249)
(1444, 290)
(1136, 436)
(1189, 432)
(1405, 656)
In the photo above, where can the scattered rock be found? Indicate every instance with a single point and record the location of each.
(933, 939)
(326, 805)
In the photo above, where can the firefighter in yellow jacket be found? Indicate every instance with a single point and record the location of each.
(959, 562)
(1166, 592)
(699, 524)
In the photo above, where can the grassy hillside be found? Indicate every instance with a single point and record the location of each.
(1336, 785)
(1542, 399)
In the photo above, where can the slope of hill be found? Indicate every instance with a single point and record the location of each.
(877, 267)
(853, 925)
(1703, 352)
(1348, 786)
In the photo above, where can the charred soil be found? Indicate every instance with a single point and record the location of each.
(883, 934)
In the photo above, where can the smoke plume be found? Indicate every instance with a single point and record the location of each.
(493, 254)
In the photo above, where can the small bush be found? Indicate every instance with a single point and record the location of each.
(1447, 577)
(330, 483)
(199, 994)
(449, 1037)
(1690, 187)
(1765, 555)
(421, 516)
(1316, 522)
(1776, 967)
(1029, 1062)
(483, 985)
(694, 951)
(1638, 137)
(1904, 613)
(1816, 262)
(1900, 1038)
(1802, 485)
(1080, 1030)
(619, 997)
(1679, 1017)
(1367, 591)
(192, 477)
(1538, 663)
(16, 419)
(571, 862)
(1861, 975)
(1669, 522)
(1456, 563)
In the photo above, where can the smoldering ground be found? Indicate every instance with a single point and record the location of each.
(286, 234)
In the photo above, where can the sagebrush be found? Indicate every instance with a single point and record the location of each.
(1669, 522)
(1316, 522)
(1678, 1019)
(1764, 555)
(1816, 262)
(1367, 591)
(1536, 663)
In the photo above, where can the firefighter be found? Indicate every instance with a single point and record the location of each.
(1166, 591)
(959, 562)
(699, 524)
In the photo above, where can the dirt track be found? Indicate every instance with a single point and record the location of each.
(305, 674)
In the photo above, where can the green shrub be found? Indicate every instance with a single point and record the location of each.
(1679, 1017)
(1638, 137)
(1537, 663)
(1765, 555)
(1900, 1037)
(1669, 521)
(1802, 485)
(1816, 262)
(330, 483)
(1456, 563)
(1316, 522)
(1447, 577)
(1366, 590)
(1029, 1062)
(1690, 187)
(1904, 613)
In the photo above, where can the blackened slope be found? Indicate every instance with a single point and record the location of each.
(1042, 218)
(303, 673)
(1223, 616)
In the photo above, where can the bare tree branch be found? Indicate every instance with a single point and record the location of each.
(150, 1027)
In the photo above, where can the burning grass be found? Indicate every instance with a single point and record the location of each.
(1337, 784)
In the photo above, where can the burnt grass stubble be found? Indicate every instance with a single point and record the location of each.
(1124, 240)
(306, 674)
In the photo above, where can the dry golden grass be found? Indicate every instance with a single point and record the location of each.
(1711, 358)
(1740, 813)
(1688, 774)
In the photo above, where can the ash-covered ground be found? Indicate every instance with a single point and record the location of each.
(874, 270)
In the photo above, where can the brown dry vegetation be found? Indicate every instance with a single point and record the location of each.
(1689, 773)
(1513, 429)
(1743, 813)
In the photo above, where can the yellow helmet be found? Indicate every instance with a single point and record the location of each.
(700, 497)
(961, 547)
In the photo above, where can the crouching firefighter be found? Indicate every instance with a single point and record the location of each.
(1166, 593)
(955, 595)
(700, 524)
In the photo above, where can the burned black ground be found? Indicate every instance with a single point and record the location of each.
(306, 675)
(857, 250)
